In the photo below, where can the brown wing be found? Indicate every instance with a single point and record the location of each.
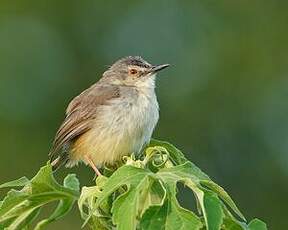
(80, 114)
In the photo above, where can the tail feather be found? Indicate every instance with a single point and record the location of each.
(59, 161)
(59, 158)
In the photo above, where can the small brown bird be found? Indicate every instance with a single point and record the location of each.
(114, 117)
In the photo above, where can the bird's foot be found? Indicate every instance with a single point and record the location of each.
(93, 166)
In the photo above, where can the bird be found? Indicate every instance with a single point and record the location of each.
(112, 118)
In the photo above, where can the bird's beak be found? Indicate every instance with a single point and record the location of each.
(157, 68)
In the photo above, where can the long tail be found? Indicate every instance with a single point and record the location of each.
(59, 161)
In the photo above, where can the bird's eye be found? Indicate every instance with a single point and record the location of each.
(133, 71)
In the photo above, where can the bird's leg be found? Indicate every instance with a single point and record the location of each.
(92, 165)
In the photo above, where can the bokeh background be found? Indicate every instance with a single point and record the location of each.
(224, 101)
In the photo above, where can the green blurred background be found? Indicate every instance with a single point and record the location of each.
(223, 101)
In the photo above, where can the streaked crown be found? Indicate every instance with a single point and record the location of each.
(132, 61)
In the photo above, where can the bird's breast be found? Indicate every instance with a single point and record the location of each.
(122, 127)
(134, 116)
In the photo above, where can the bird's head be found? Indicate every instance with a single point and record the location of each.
(133, 71)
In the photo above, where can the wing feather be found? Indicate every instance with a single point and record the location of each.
(80, 114)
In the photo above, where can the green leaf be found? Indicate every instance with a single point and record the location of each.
(130, 202)
(223, 195)
(141, 194)
(44, 182)
(213, 211)
(232, 224)
(135, 197)
(257, 224)
(186, 170)
(180, 173)
(132, 183)
(191, 176)
(64, 205)
(24, 218)
(16, 183)
(12, 200)
(126, 175)
(86, 199)
(154, 196)
(72, 182)
(175, 154)
(21, 207)
(100, 223)
(170, 215)
(97, 217)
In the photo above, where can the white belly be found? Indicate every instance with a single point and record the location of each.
(122, 127)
